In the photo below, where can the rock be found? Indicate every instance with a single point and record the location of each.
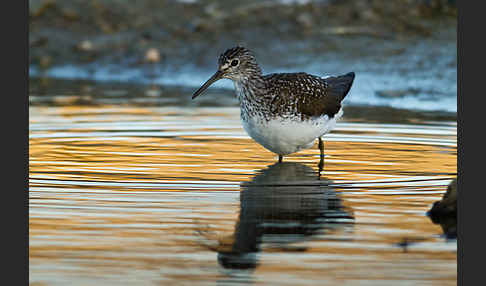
(448, 204)
(215, 12)
(397, 93)
(305, 20)
(85, 46)
(152, 55)
(444, 212)
(153, 91)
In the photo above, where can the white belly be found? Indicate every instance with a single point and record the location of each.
(285, 136)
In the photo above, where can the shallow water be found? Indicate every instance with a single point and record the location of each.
(174, 194)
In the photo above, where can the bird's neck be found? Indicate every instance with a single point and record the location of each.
(250, 88)
(251, 93)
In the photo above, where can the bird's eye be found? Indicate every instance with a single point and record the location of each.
(234, 63)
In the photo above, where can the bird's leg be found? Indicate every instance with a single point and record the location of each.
(321, 147)
(280, 158)
(321, 162)
(321, 166)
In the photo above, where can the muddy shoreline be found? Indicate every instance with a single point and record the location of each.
(110, 31)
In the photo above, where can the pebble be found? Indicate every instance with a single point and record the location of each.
(85, 46)
(152, 55)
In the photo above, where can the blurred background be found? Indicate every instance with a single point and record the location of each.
(403, 51)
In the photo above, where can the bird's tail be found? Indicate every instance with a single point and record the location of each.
(339, 86)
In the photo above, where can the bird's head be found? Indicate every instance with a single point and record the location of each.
(237, 64)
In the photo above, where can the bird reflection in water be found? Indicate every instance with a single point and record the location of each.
(283, 204)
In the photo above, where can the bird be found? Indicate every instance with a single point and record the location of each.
(283, 112)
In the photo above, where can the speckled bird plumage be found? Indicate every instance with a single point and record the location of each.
(284, 112)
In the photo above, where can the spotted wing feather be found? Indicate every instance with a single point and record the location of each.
(308, 95)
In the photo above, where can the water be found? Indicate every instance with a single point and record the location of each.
(161, 190)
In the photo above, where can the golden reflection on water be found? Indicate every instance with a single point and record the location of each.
(130, 194)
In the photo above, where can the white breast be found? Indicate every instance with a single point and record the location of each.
(286, 136)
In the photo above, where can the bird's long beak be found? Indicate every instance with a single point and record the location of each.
(217, 76)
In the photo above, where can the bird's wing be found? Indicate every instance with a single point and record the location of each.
(308, 95)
